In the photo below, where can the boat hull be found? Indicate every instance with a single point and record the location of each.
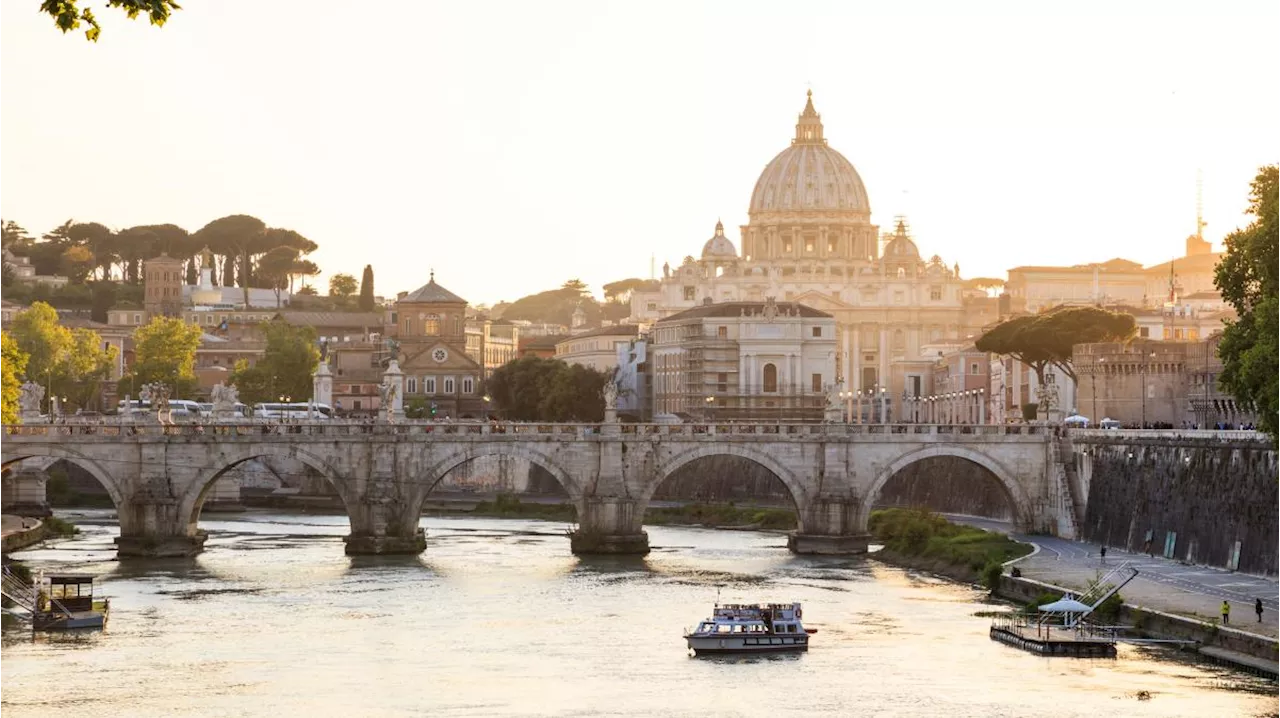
(738, 644)
(77, 619)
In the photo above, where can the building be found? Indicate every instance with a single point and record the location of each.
(597, 348)
(9, 310)
(162, 285)
(634, 379)
(540, 346)
(492, 343)
(960, 387)
(810, 240)
(1141, 383)
(1207, 405)
(24, 271)
(1015, 386)
(744, 361)
(1117, 281)
(430, 332)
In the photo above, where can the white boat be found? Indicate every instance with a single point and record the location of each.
(751, 628)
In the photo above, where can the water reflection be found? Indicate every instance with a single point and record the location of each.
(497, 618)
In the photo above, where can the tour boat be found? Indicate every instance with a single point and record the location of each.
(751, 628)
(66, 601)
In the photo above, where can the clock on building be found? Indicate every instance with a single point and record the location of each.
(440, 355)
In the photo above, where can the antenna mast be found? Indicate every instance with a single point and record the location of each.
(1200, 223)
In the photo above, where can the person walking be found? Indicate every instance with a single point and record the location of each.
(1257, 608)
(1226, 613)
(1102, 554)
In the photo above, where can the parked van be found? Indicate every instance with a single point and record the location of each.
(292, 410)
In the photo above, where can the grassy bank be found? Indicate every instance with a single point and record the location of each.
(919, 539)
(709, 515)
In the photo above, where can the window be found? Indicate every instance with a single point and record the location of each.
(431, 327)
(935, 293)
(467, 385)
(722, 382)
(817, 331)
(690, 294)
(973, 368)
(356, 405)
(429, 385)
(395, 318)
(898, 297)
(817, 382)
(770, 378)
(411, 385)
(137, 319)
(448, 385)
(831, 245)
(786, 247)
(651, 307)
(722, 332)
(357, 389)
(808, 245)
(1144, 332)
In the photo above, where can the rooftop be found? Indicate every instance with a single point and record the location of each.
(739, 309)
(333, 319)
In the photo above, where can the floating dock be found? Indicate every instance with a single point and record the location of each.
(1047, 640)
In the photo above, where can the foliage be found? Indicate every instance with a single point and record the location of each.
(991, 574)
(417, 408)
(68, 14)
(14, 238)
(535, 389)
(984, 283)
(69, 363)
(342, 285)
(13, 363)
(621, 290)
(165, 352)
(286, 366)
(307, 291)
(1247, 278)
(366, 289)
(1044, 340)
(916, 533)
(1030, 410)
(275, 268)
(77, 262)
(555, 306)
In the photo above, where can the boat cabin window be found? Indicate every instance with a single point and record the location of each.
(778, 628)
(723, 628)
(70, 590)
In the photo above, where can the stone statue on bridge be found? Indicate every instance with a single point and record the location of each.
(29, 398)
(835, 410)
(224, 398)
(387, 393)
(610, 394)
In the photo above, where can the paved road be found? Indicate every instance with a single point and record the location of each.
(1162, 584)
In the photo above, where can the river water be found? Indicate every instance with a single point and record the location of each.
(497, 618)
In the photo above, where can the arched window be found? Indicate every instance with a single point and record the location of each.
(431, 326)
(770, 378)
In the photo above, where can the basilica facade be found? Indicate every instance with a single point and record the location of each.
(810, 240)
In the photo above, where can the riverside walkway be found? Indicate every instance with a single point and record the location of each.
(1162, 584)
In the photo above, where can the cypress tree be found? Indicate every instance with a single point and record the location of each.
(366, 289)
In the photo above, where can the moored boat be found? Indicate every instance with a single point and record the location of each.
(65, 600)
(751, 628)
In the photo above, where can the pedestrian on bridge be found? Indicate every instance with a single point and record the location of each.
(1226, 613)
(1102, 554)
(1257, 608)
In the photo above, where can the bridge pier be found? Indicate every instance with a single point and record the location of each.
(384, 528)
(24, 493)
(829, 527)
(609, 526)
(154, 529)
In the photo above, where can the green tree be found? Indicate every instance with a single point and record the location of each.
(68, 363)
(555, 306)
(13, 364)
(276, 267)
(234, 238)
(303, 268)
(366, 289)
(535, 389)
(14, 238)
(342, 285)
(77, 262)
(99, 241)
(286, 366)
(69, 15)
(1044, 340)
(1247, 278)
(621, 290)
(165, 352)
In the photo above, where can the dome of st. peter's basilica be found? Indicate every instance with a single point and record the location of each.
(809, 175)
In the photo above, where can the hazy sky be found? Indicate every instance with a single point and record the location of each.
(514, 145)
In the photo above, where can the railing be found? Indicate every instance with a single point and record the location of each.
(1167, 434)
(410, 427)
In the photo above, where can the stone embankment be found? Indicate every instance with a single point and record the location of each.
(19, 532)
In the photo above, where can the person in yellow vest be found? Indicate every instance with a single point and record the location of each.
(1226, 613)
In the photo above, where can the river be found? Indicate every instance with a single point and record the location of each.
(497, 618)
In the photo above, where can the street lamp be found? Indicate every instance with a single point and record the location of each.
(884, 406)
(711, 402)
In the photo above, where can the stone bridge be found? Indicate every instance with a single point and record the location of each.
(160, 476)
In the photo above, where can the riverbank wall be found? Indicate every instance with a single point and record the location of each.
(23, 537)
(1204, 501)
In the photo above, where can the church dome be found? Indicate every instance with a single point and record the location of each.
(900, 247)
(809, 175)
(719, 246)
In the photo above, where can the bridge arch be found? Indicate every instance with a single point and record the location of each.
(231, 455)
(441, 468)
(799, 494)
(1014, 488)
(61, 452)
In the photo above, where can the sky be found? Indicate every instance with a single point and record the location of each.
(511, 146)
